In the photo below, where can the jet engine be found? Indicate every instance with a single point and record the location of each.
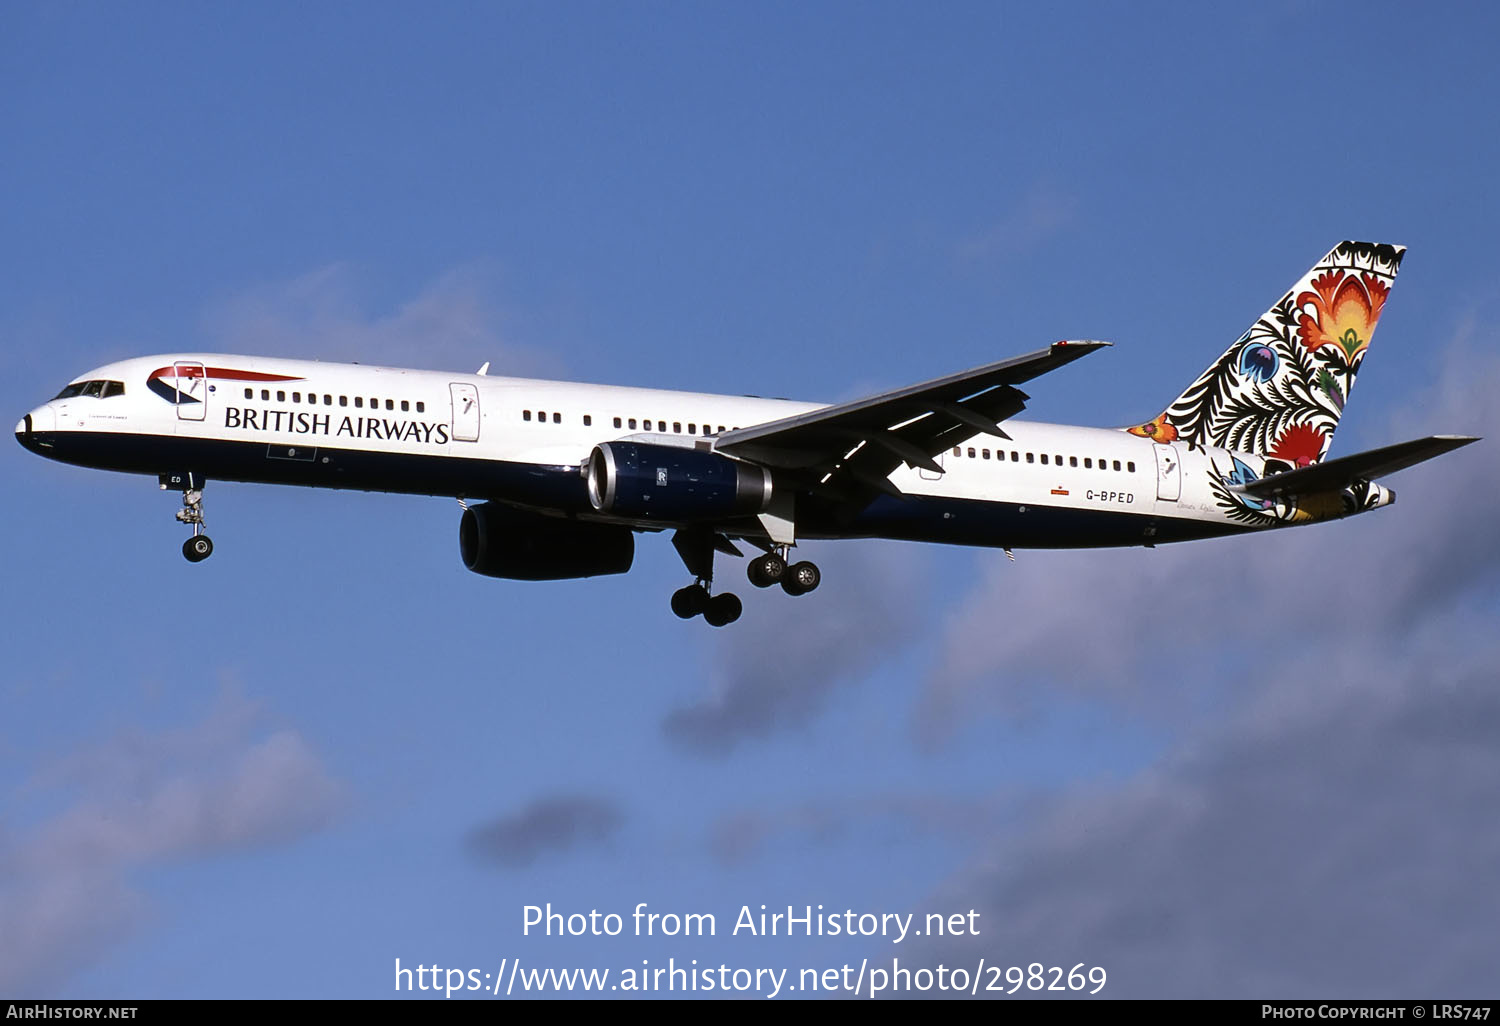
(498, 541)
(664, 482)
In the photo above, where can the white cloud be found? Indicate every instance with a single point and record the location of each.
(1336, 838)
(775, 669)
(1326, 828)
(452, 324)
(1042, 213)
(1147, 627)
(551, 825)
(143, 799)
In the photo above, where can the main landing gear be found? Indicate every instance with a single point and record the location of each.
(718, 610)
(199, 547)
(697, 551)
(797, 579)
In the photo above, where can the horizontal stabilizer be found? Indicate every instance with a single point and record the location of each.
(1333, 475)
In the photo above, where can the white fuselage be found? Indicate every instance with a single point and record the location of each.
(381, 428)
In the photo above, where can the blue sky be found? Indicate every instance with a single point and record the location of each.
(1234, 768)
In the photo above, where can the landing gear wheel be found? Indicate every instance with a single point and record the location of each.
(723, 609)
(801, 578)
(766, 570)
(197, 548)
(690, 601)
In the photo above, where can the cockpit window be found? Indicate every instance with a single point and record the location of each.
(92, 389)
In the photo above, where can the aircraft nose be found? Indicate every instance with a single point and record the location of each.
(31, 427)
(24, 433)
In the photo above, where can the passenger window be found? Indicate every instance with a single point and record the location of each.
(617, 422)
(588, 420)
(296, 397)
(1088, 463)
(1130, 467)
(421, 406)
(1117, 464)
(1072, 461)
(1030, 457)
(343, 400)
(1044, 459)
(525, 414)
(390, 404)
(985, 453)
(692, 429)
(405, 406)
(280, 396)
(1015, 457)
(557, 418)
(632, 423)
(1058, 459)
(327, 399)
(249, 393)
(971, 454)
(676, 427)
(359, 402)
(957, 451)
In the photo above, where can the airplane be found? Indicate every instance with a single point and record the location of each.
(556, 478)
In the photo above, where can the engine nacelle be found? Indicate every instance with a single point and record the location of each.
(664, 482)
(498, 541)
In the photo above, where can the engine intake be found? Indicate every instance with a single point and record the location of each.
(664, 482)
(498, 541)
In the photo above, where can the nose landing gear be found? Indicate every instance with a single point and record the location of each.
(199, 547)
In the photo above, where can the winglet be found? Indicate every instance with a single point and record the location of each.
(482, 371)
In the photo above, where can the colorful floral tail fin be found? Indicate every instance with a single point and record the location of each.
(1280, 389)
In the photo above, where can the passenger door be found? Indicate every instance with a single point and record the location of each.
(192, 390)
(1168, 473)
(465, 411)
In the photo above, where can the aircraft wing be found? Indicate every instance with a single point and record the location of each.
(1344, 471)
(851, 448)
